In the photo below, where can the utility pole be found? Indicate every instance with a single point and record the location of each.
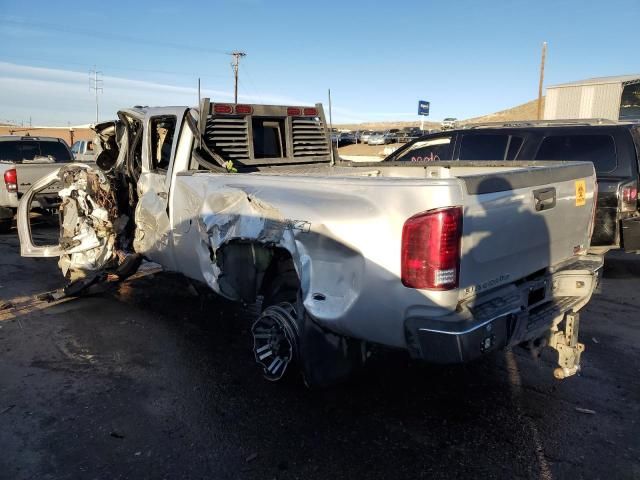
(544, 57)
(333, 161)
(95, 84)
(236, 54)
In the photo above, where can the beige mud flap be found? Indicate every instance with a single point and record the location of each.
(567, 345)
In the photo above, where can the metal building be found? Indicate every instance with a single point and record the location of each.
(614, 98)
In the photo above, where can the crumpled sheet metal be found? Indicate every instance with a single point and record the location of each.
(87, 231)
(236, 214)
(229, 215)
(152, 223)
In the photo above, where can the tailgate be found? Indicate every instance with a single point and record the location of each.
(29, 173)
(516, 223)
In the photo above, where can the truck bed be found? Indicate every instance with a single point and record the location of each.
(349, 244)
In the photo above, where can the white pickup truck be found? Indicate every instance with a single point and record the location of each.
(23, 160)
(445, 260)
(83, 151)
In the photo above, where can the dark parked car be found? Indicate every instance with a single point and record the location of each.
(613, 148)
(342, 138)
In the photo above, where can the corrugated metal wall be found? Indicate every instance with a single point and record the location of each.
(583, 101)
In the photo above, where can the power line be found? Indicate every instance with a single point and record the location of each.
(63, 62)
(120, 37)
(252, 83)
(95, 85)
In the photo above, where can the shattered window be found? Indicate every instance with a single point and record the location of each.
(162, 132)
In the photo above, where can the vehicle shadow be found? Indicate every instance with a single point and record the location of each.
(619, 264)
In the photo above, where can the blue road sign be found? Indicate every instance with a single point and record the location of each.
(423, 108)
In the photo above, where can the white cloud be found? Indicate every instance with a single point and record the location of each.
(60, 97)
(57, 97)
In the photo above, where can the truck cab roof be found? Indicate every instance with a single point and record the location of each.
(27, 138)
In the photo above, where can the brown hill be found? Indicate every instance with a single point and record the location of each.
(526, 111)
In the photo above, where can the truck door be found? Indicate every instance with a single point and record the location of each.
(154, 237)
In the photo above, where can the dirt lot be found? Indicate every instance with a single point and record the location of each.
(362, 149)
(150, 381)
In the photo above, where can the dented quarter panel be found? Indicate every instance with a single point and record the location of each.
(337, 231)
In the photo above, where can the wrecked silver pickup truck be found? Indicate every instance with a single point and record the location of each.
(445, 260)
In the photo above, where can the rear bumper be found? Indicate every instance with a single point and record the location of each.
(509, 316)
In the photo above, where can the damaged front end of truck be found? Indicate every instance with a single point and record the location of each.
(96, 212)
(114, 214)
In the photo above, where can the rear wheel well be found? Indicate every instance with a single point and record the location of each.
(249, 269)
(280, 282)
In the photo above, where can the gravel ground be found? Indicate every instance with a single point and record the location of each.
(151, 381)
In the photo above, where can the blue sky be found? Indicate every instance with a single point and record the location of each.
(467, 57)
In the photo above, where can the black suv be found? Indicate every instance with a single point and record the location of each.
(613, 148)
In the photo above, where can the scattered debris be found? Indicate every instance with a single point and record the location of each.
(4, 305)
(115, 434)
(10, 407)
(595, 340)
(588, 411)
(137, 454)
(252, 457)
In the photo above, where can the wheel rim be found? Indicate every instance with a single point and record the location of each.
(275, 339)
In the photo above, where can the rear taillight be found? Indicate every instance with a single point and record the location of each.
(629, 197)
(222, 108)
(431, 249)
(294, 111)
(310, 112)
(244, 109)
(11, 180)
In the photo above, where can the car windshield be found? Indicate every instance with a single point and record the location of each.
(19, 151)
